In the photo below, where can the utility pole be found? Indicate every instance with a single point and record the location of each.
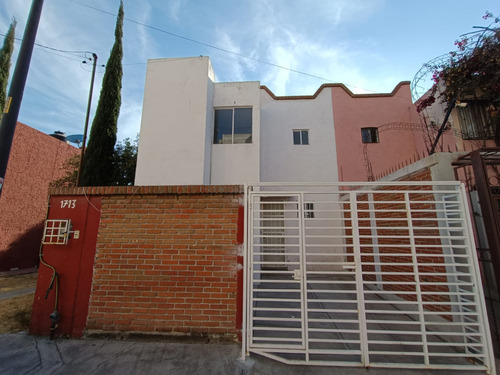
(82, 151)
(15, 96)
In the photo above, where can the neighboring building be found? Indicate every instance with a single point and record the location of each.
(469, 126)
(35, 160)
(375, 131)
(197, 131)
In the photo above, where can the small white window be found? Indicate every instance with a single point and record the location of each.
(369, 135)
(309, 210)
(301, 137)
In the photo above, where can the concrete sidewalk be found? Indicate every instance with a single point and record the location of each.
(16, 293)
(24, 354)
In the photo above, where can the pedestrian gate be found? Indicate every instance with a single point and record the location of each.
(376, 275)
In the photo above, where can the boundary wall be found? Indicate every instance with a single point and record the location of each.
(145, 260)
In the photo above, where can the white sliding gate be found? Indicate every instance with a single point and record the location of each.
(375, 275)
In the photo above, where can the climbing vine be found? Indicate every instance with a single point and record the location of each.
(471, 72)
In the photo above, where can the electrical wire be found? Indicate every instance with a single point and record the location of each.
(204, 44)
(64, 57)
(200, 43)
(75, 53)
(55, 275)
(217, 48)
(52, 50)
(78, 53)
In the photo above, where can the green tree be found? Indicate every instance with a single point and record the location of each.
(71, 168)
(97, 168)
(5, 57)
(125, 161)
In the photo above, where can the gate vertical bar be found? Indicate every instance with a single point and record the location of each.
(363, 335)
(416, 275)
(244, 327)
(373, 224)
(249, 269)
(303, 276)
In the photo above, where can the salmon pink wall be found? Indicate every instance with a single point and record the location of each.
(400, 137)
(35, 160)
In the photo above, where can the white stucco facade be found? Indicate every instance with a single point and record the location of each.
(284, 161)
(177, 147)
(237, 163)
(177, 110)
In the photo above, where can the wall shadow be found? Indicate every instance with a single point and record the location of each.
(23, 252)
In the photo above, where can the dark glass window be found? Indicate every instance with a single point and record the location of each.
(475, 121)
(233, 125)
(242, 125)
(369, 135)
(301, 137)
(309, 210)
(223, 126)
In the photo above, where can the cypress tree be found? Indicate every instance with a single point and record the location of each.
(5, 57)
(97, 168)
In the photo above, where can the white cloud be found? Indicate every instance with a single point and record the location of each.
(57, 89)
(296, 37)
(310, 37)
(130, 119)
(232, 65)
(140, 43)
(174, 8)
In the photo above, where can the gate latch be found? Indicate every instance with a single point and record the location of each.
(297, 274)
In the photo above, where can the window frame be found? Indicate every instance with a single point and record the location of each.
(233, 117)
(301, 133)
(308, 210)
(475, 121)
(373, 135)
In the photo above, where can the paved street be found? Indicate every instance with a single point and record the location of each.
(24, 354)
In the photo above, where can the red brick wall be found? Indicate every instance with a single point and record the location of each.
(166, 261)
(35, 160)
(431, 264)
(389, 237)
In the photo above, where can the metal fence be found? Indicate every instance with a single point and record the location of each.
(378, 275)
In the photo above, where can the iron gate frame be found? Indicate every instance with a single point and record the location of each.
(298, 190)
(478, 170)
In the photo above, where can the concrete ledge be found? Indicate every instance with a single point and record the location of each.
(149, 190)
(439, 164)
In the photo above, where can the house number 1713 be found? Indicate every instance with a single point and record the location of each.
(68, 203)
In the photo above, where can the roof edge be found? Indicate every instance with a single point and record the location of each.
(149, 190)
(335, 85)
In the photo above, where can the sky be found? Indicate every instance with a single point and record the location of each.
(291, 46)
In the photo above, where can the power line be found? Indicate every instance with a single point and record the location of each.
(64, 57)
(77, 53)
(72, 53)
(216, 47)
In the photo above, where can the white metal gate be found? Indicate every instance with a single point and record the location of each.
(380, 275)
